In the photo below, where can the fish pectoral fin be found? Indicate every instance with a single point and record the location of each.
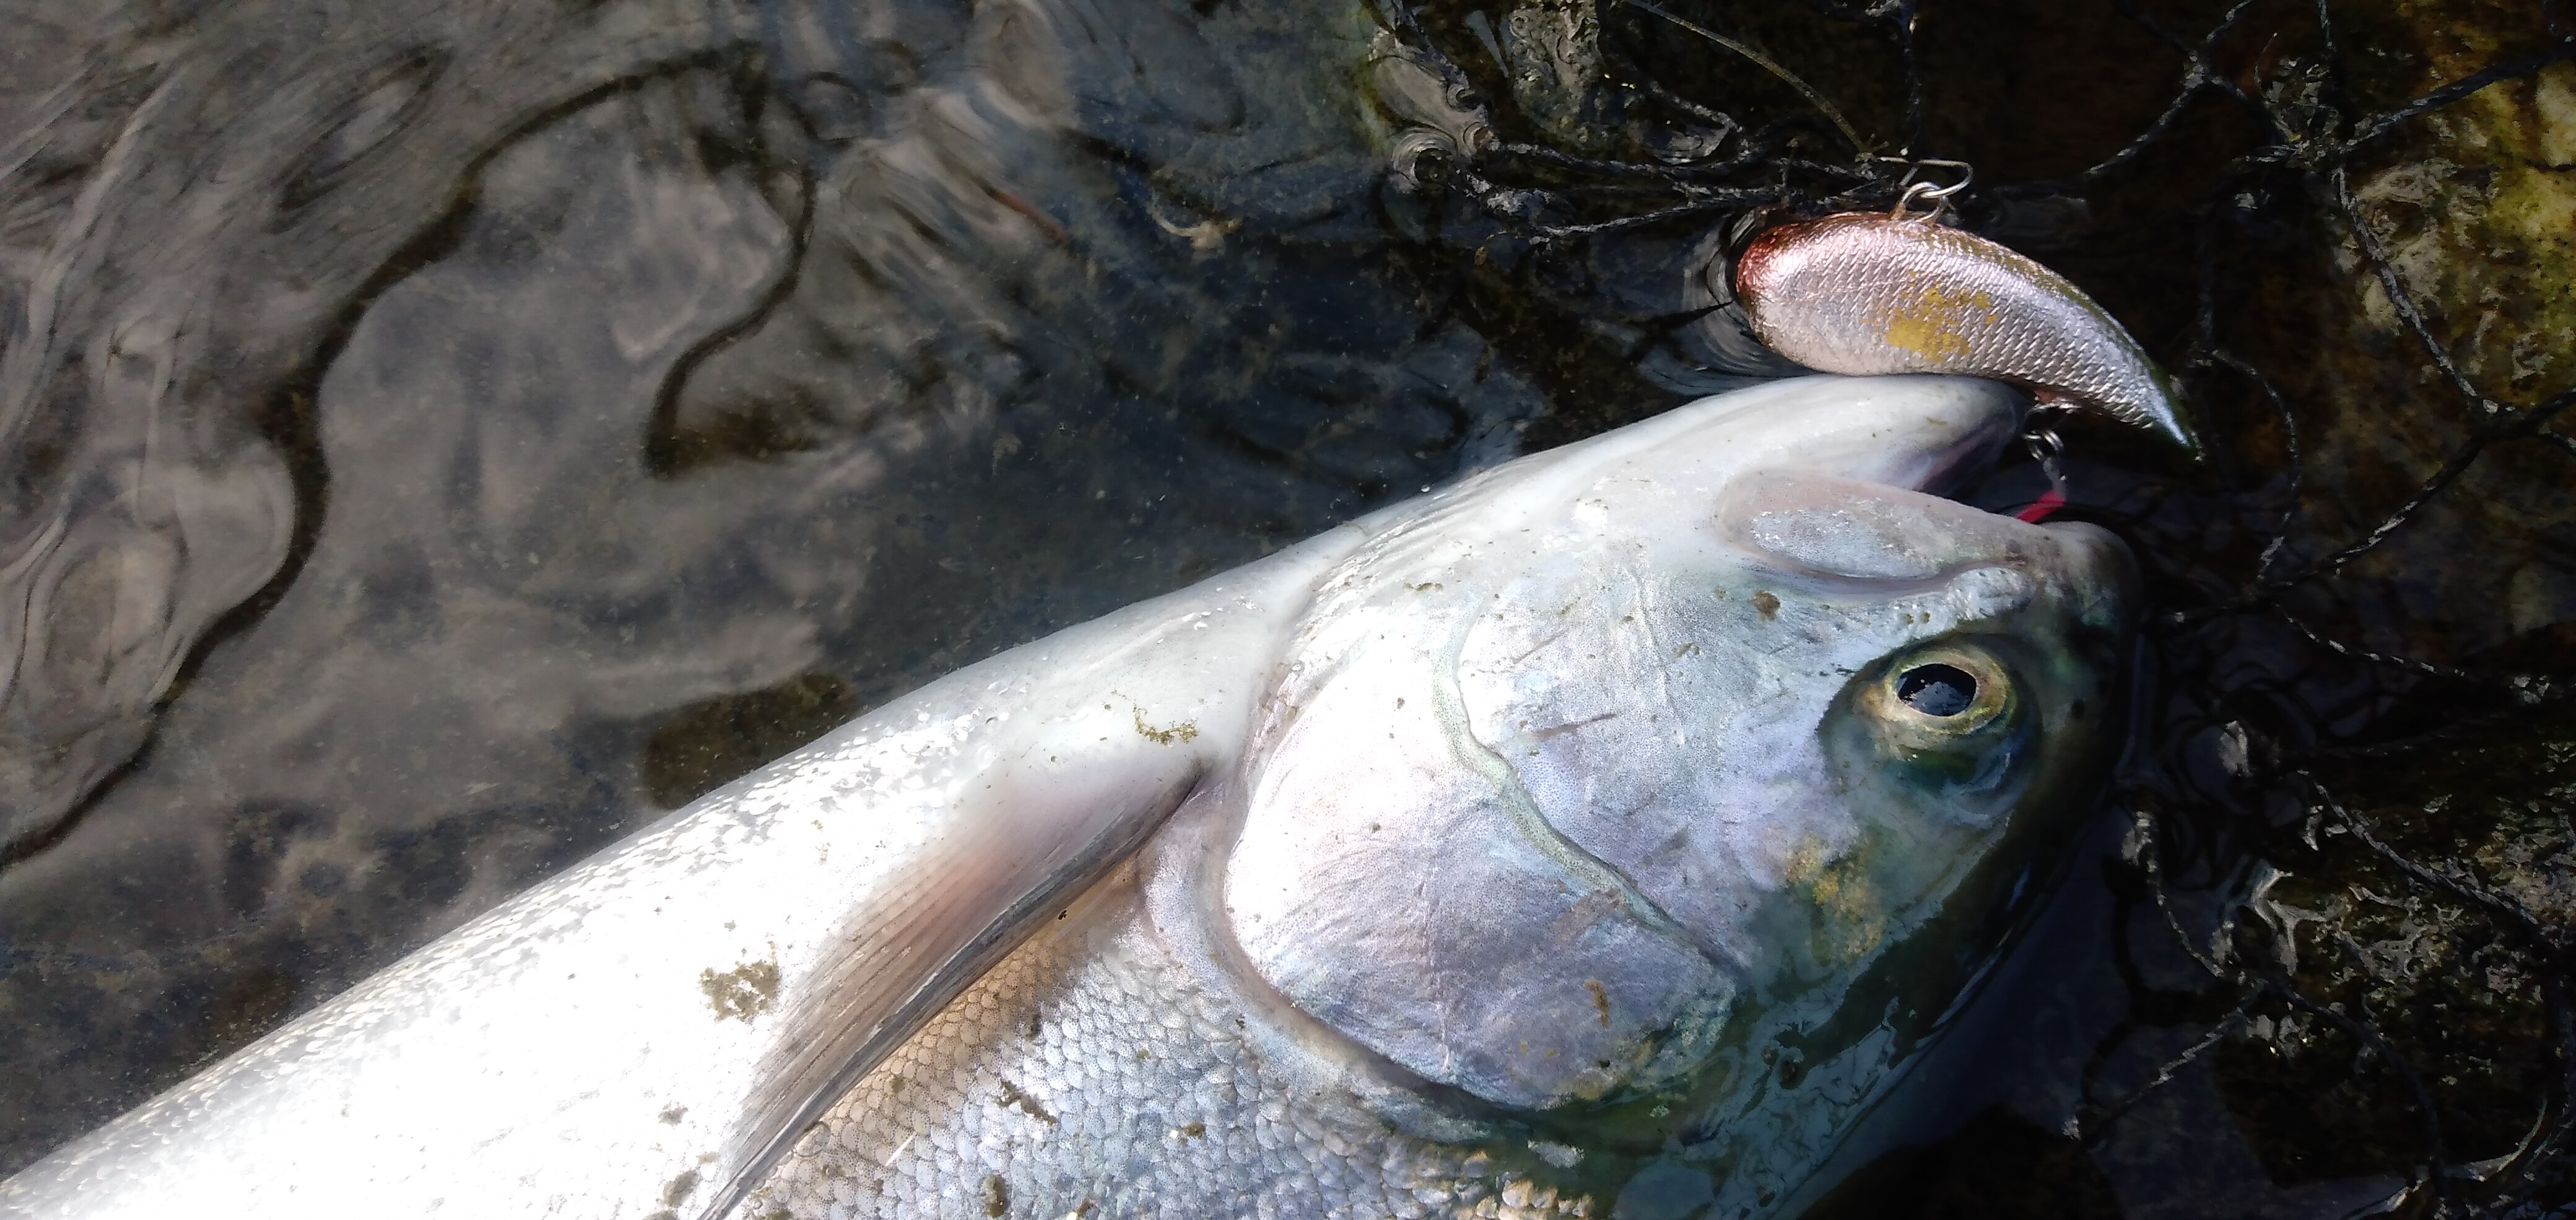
(1013, 786)
(905, 954)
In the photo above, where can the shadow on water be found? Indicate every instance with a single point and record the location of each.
(537, 423)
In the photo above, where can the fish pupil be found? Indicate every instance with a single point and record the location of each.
(1937, 690)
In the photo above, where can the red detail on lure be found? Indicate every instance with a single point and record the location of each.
(2049, 501)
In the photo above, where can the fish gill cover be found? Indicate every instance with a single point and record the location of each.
(2340, 912)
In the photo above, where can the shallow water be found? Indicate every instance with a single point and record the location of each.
(732, 399)
(517, 423)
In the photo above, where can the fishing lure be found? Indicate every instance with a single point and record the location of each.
(1868, 293)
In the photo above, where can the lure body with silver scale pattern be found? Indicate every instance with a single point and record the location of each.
(1866, 293)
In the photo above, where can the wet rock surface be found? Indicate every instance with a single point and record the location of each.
(2406, 921)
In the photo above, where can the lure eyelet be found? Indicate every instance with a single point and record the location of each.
(1923, 189)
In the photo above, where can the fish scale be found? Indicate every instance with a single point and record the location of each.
(1137, 1095)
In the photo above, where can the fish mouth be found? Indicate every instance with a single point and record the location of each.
(1948, 468)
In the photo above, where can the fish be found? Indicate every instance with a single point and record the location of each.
(1650, 796)
(1869, 292)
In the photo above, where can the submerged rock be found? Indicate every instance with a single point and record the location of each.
(1552, 49)
(2396, 924)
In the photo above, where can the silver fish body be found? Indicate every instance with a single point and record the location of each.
(1865, 293)
(1420, 867)
(1579, 789)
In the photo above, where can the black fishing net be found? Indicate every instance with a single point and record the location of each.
(2346, 891)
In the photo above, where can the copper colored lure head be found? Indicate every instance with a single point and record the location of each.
(1866, 293)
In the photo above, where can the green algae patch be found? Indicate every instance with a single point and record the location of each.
(744, 992)
(2473, 205)
(1187, 730)
(2481, 229)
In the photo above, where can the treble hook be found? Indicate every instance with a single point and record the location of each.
(2046, 448)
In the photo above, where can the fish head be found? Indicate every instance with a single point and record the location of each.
(1633, 752)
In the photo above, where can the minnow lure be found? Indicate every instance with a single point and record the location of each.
(1871, 292)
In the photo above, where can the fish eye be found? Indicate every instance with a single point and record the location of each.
(1937, 689)
(1943, 691)
(1949, 712)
